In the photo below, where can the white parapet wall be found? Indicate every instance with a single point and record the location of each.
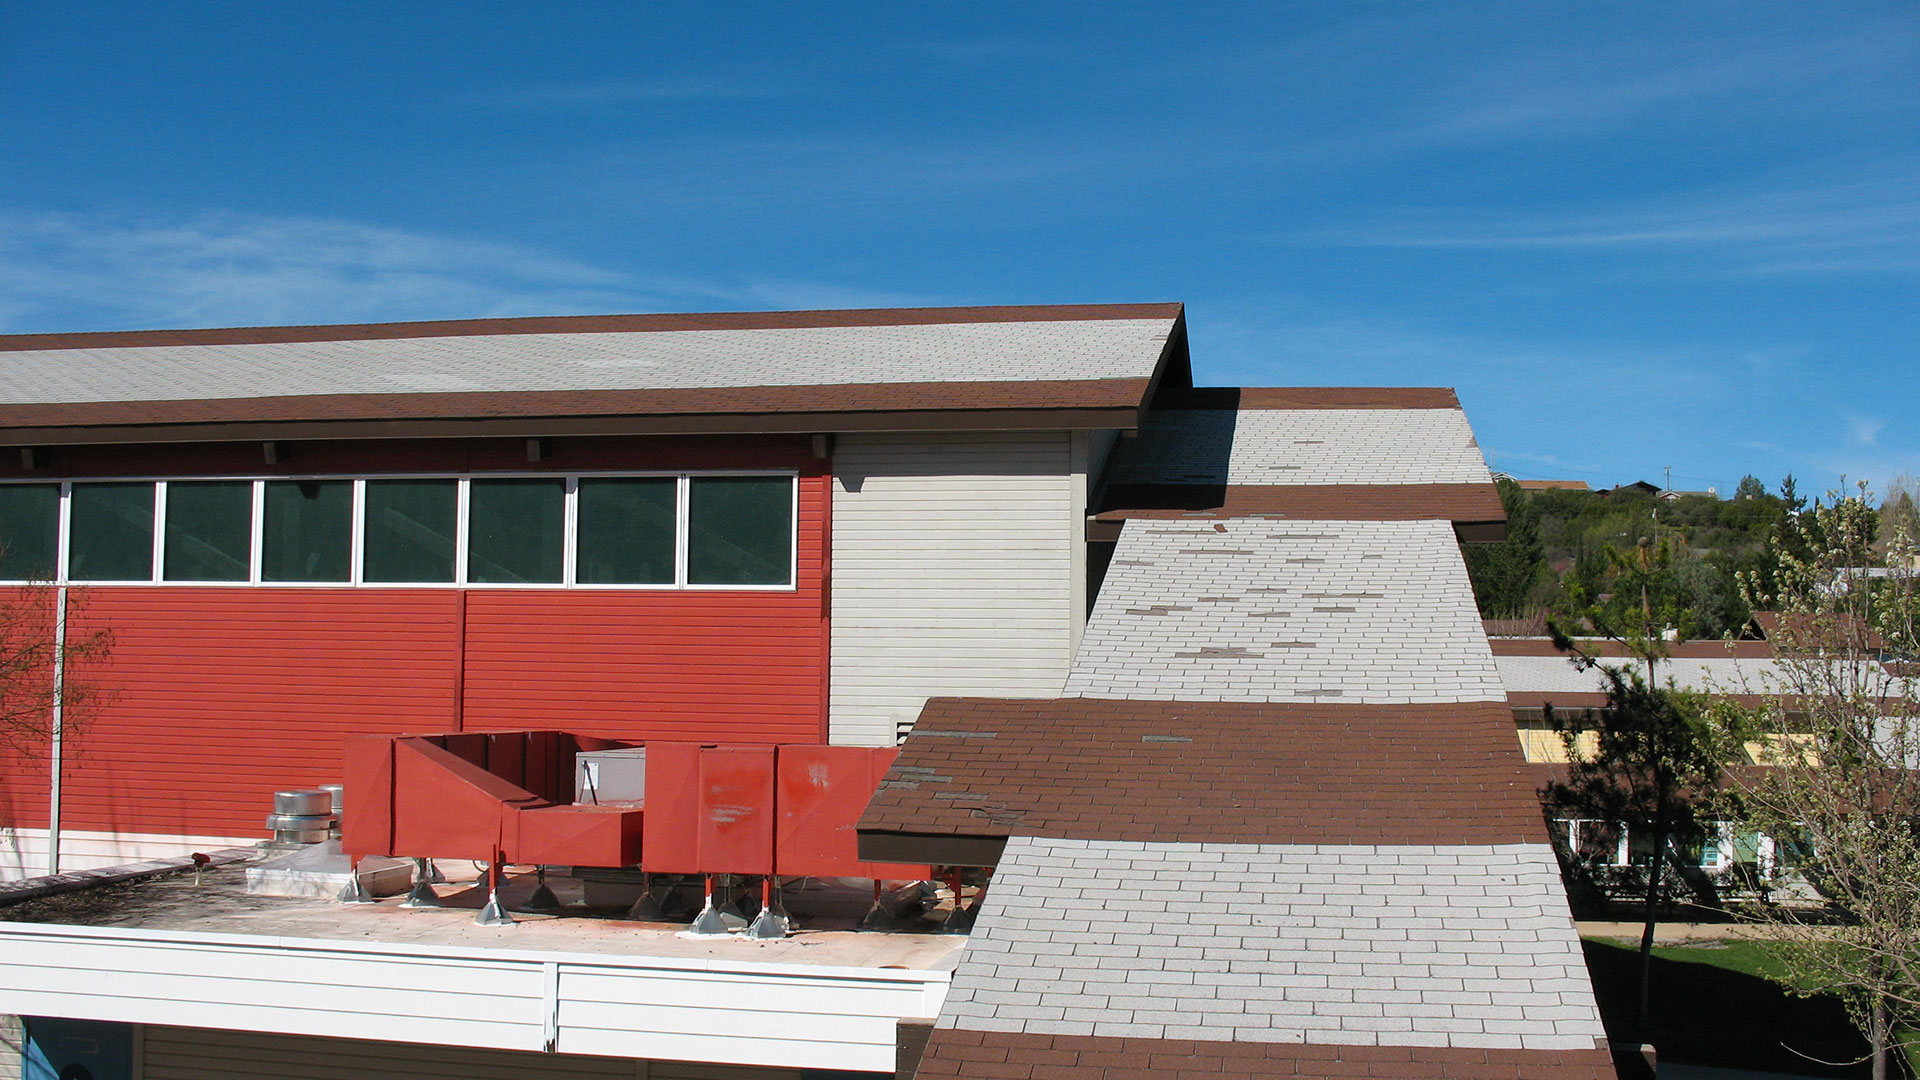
(726, 1012)
(23, 852)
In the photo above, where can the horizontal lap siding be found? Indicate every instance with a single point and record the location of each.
(953, 573)
(215, 698)
(709, 665)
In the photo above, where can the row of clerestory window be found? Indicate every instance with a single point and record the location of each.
(683, 530)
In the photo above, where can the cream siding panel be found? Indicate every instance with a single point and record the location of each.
(23, 852)
(958, 568)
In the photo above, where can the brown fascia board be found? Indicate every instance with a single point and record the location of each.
(1474, 509)
(931, 849)
(1039, 405)
(592, 324)
(960, 1053)
(1237, 398)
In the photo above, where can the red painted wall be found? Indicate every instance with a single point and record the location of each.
(220, 695)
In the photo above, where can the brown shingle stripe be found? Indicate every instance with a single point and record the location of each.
(1331, 502)
(1309, 397)
(959, 1054)
(1210, 772)
(1691, 650)
(592, 324)
(873, 397)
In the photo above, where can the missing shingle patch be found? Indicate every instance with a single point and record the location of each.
(1336, 608)
(1158, 609)
(1229, 652)
(1291, 644)
(1166, 738)
(924, 733)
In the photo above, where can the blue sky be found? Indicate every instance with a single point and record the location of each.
(1631, 236)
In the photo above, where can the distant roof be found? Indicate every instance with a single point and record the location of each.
(1068, 360)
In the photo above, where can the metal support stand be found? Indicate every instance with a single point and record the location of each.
(494, 914)
(772, 923)
(712, 922)
(892, 911)
(960, 920)
(422, 894)
(355, 890)
(542, 898)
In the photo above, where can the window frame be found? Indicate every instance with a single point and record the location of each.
(570, 531)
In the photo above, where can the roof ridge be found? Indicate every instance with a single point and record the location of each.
(591, 324)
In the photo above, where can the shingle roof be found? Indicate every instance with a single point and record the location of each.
(1266, 446)
(1412, 945)
(971, 358)
(1210, 772)
(1257, 610)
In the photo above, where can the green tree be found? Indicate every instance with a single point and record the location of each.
(1750, 488)
(1655, 761)
(1844, 777)
(1506, 576)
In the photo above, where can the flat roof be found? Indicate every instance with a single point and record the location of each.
(220, 904)
(1062, 366)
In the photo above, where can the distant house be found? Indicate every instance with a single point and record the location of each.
(1638, 485)
(1671, 495)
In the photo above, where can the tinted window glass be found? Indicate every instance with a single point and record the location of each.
(515, 530)
(739, 530)
(410, 530)
(309, 531)
(29, 531)
(112, 526)
(209, 531)
(626, 530)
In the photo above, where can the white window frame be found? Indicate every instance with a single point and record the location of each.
(570, 531)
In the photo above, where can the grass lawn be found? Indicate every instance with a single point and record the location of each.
(1713, 1005)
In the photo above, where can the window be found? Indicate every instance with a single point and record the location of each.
(112, 532)
(739, 530)
(29, 531)
(410, 530)
(308, 534)
(516, 531)
(687, 530)
(209, 531)
(627, 529)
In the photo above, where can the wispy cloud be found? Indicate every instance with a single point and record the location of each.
(629, 92)
(1570, 90)
(63, 271)
(1865, 430)
(1863, 225)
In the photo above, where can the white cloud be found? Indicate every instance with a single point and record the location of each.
(63, 271)
(1865, 430)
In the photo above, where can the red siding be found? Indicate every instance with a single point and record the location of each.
(709, 666)
(219, 696)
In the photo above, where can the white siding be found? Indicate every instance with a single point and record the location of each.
(710, 1011)
(957, 569)
(23, 852)
(173, 1053)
